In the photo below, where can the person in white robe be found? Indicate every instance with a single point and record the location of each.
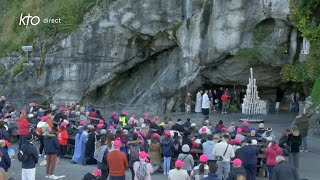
(205, 103)
(198, 102)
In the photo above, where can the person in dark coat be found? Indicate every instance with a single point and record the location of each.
(294, 142)
(90, 145)
(51, 148)
(237, 170)
(248, 154)
(29, 166)
(302, 124)
(283, 171)
(5, 161)
(213, 168)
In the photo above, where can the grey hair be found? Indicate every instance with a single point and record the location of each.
(280, 158)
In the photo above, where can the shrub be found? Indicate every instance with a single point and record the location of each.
(248, 55)
(233, 108)
(18, 67)
(316, 91)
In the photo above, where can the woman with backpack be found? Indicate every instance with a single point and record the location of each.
(155, 152)
(186, 158)
(167, 151)
(142, 169)
(134, 147)
(100, 154)
(202, 170)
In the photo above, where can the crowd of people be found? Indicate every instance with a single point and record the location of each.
(180, 150)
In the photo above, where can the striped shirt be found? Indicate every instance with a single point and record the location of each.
(195, 174)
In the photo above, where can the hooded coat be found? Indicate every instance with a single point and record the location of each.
(167, 147)
(271, 153)
(302, 125)
(80, 146)
(248, 154)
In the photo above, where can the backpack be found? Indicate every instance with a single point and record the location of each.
(142, 171)
(134, 150)
(38, 131)
(22, 155)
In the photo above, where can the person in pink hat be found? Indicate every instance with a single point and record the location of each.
(237, 170)
(245, 128)
(202, 170)
(23, 128)
(239, 135)
(237, 144)
(63, 139)
(178, 173)
(142, 169)
(96, 174)
(155, 152)
(167, 150)
(117, 161)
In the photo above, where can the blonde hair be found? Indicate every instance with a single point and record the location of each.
(295, 131)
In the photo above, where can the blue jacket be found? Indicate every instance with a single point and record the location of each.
(207, 149)
(51, 144)
(211, 176)
(5, 162)
(32, 152)
(167, 147)
(248, 154)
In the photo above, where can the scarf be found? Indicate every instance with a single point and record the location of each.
(99, 154)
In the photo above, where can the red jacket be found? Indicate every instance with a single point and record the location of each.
(63, 137)
(117, 162)
(271, 153)
(93, 114)
(23, 126)
(224, 97)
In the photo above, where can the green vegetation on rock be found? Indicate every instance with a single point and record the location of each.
(248, 55)
(13, 36)
(316, 91)
(18, 67)
(2, 71)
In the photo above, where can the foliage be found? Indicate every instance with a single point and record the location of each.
(13, 36)
(316, 91)
(18, 67)
(306, 17)
(248, 55)
(233, 108)
(2, 71)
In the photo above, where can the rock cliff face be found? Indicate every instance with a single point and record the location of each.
(150, 53)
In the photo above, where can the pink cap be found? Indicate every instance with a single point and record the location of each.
(114, 113)
(99, 126)
(236, 162)
(111, 127)
(239, 130)
(97, 172)
(23, 111)
(156, 135)
(154, 120)
(167, 133)
(126, 113)
(44, 118)
(224, 129)
(101, 121)
(203, 158)
(245, 122)
(203, 129)
(146, 115)
(63, 124)
(82, 122)
(117, 143)
(237, 140)
(143, 155)
(134, 116)
(32, 104)
(179, 163)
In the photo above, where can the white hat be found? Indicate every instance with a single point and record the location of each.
(193, 125)
(185, 148)
(254, 142)
(261, 125)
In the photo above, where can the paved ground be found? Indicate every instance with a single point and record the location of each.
(278, 121)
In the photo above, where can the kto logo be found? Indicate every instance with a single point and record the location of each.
(26, 20)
